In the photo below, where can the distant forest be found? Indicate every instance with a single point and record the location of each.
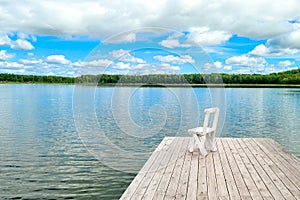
(287, 77)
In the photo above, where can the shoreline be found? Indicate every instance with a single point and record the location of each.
(174, 85)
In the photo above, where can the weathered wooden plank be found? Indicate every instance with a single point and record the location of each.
(259, 168)
(193, 177)
(230, 182)
(251, 187)
(174, 181)
(211, 178)
(240, 169)
(283, 173)
(291, 162)
(222, 191)
(202, 181)
(244, 153)
(184, 176)
(162, 187)
(244, 192)
(140, 176)
(151, 172)
(149, 193)
(290, 158)
(259, 165)
(263, 159)
(284, 159)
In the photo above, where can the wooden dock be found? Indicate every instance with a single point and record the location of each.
(245, 168)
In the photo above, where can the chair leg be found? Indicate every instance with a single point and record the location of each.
(192, 145)
(200, 141)
(210, 142)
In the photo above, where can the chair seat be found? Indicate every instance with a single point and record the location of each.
(199, 130)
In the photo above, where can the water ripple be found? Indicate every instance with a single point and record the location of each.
(42, 157)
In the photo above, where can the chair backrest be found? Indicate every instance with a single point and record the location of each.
(207, 117)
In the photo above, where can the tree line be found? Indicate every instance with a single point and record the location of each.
(287, 77)
(14, 78)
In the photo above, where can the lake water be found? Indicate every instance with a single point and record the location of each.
(64, 141)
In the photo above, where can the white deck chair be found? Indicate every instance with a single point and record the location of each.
(204, 137)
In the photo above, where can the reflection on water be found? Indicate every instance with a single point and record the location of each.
(291, 92)
(42, 155)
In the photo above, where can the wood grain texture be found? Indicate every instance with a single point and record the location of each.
(242, 168)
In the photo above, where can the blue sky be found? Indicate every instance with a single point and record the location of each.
(69, 38)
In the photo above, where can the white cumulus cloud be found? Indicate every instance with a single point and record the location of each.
(122, 38)
(11, 67)
(255, 19)
(94, 63)
(125, 56)
(218, 64)
(164, 68)
(175, 59)
(173, 41)
(228, 68)
(5, 56)
(202, 36)
(273, 51)
(30, 61)
(248, 64)
(285, 63)
(197, 36)
(170, 43)
(4, 39)
(244, 60)
(260, 50)
(57, 59)
(290, 40)
(21, 44)
(287, 44)
(121, 65)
